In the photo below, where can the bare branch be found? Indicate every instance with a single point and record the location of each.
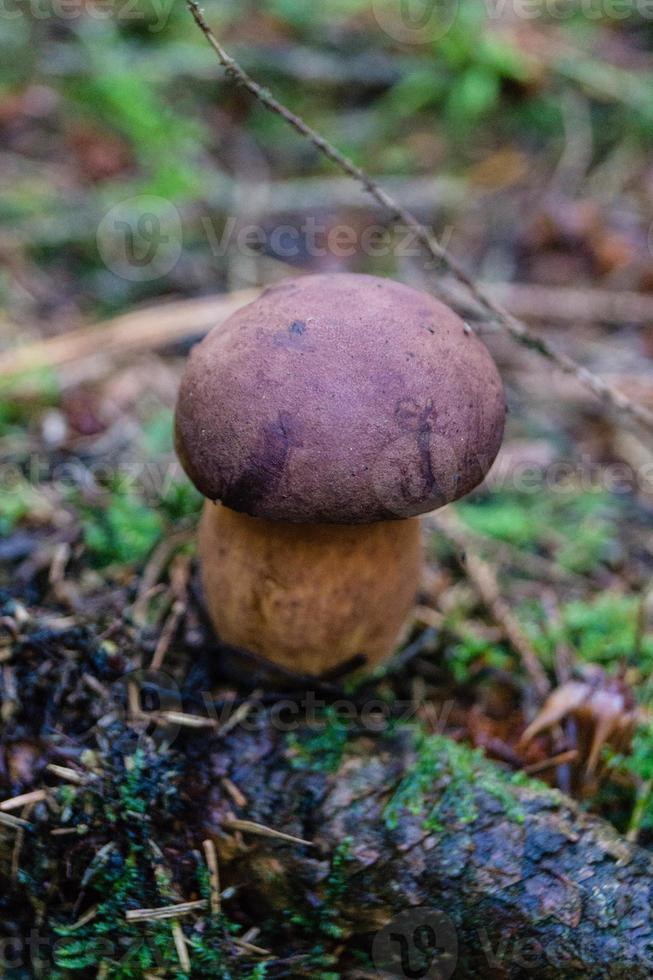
(492, 308)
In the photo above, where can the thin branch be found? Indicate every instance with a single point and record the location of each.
(250, 947)
(17, 802)
(179, 718)
(249, 827)
(484, 579)
(15, 823)
(67, 774)
(495, 310)
(141, 330)
(211, 858)
(236, 794)
(165, 912)
(181, 947)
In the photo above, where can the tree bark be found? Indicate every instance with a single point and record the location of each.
(533, 886)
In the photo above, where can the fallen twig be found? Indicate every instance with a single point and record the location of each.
(181, 947)
(165, 912)
(211, 858)
(493, 309)
(249, 827)
(236, 795)
(17, 802)
(69, 775)
(484, 579)
(570, 755)
(250, 947)
(16, 823)
(179, 718)
(141, 330)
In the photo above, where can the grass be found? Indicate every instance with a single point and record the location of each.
(603, 630)
(122, 531)
(576, 526)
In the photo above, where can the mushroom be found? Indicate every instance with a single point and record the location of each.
(324, 417)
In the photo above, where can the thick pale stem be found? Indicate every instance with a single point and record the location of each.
(309, 597)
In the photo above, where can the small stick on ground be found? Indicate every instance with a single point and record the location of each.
(211, 858)
(181, 947)
(96, 686)
(250, 947)
(16, 802)
(249, 827)
(179, 575)
(15, 823)
(180, 718)
(239, 714)
(84, 919)
(236, 795)
(125, 335)
(556, 760)
(165, 912)
(484, 579)
(69, 775)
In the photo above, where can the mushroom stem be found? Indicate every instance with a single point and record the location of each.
(309, 597)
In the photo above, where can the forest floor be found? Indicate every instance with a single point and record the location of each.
(527, 148)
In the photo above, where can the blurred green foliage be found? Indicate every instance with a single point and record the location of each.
(578, 527)
(604, 629)
(24, 397)
(581, 532)
(122, 531)
(146, 77)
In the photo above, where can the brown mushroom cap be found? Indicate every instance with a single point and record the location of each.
(339, 398)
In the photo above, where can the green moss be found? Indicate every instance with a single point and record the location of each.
(24, 396)
(18, 501)
(123, 531)
(116, 93)
(126, 874)
(180, 500)
(461, 771)
(579, 528)
(321, 748)
(122, 877)
(602, 630)
(472, 652)
(636, 814)
(335, 890)
(319, 922)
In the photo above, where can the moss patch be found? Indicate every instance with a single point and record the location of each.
(460, 769)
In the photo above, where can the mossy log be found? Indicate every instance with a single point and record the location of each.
(532, 885)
